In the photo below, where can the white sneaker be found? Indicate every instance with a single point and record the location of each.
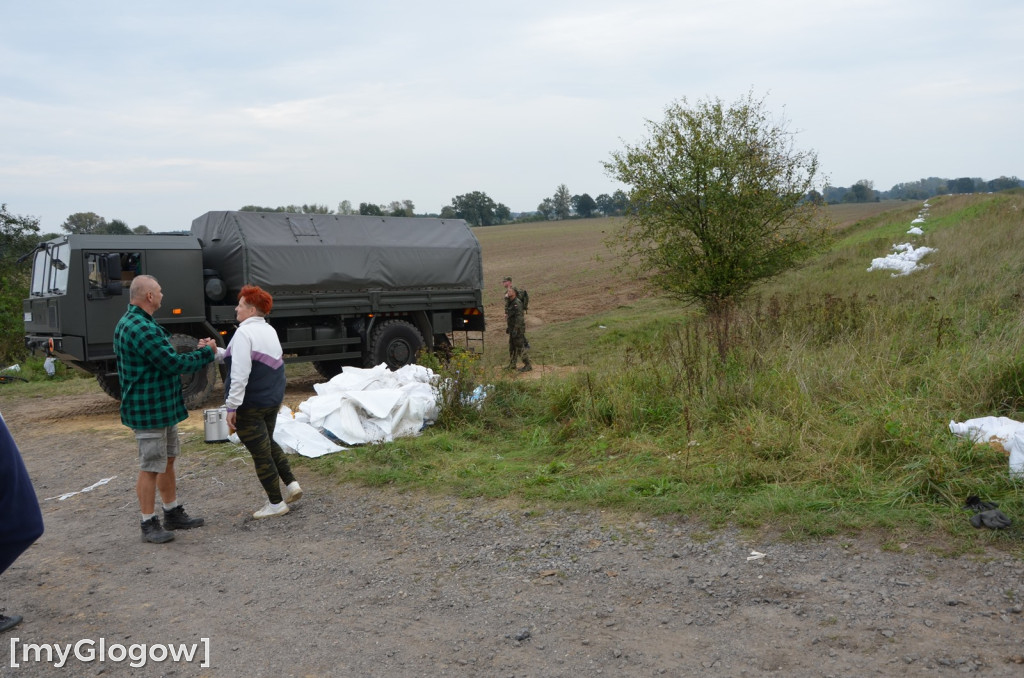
(271, 510)
(292, 492)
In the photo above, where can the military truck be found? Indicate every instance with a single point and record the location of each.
(348, 290)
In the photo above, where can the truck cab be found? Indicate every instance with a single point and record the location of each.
(80, 289)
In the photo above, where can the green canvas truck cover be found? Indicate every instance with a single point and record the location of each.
(300, 253)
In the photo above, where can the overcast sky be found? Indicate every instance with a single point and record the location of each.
(155, 113)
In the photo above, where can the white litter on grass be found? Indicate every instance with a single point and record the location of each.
(904, 259)
(12, 368)
(915, 231)
(755, 555)
(477, 397)
(1003, 430)
(92, 487)
(919, 220)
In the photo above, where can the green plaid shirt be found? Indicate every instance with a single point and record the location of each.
(149, 370)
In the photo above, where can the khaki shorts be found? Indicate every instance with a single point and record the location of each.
(155, 446)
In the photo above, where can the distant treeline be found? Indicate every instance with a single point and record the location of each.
(864, 190)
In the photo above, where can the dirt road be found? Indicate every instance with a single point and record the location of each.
(361, 582)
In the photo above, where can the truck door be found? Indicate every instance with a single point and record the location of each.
(106, 297)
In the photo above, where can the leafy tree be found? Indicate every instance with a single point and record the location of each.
(502, 213)
(834, 194)
(1003, 183)
(562, 201)
(84, 222)
(448, 212)
(369, 209)
(141, 230)
(18, 235)
(583, 205)
(614, 205)
(477, 208)
(404, 208)
(717, 201)
(547, 208)
(290, 209)
(114, 227)
(862, 191)
(962, 185)
(345, 207)
(314, 209)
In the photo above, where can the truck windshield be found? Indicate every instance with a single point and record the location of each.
(50, 270)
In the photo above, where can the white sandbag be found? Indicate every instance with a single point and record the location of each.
(1016, 449)
(301, 438)
(1003, 430)
(373, 405)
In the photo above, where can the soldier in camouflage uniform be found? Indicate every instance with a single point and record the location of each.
(507, 284)
(517, 344)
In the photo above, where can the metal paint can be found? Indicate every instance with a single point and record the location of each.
(216, 425)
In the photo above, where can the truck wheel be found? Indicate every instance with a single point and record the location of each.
(396, 343)
(327, 368)
(195, 387)
(111, 385)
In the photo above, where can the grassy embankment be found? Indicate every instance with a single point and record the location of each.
(830, 411)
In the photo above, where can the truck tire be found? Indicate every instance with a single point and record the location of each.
(396, 343)
(195, 387)
(111, 385)
(327, 368)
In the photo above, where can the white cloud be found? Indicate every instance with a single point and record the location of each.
(158, 113)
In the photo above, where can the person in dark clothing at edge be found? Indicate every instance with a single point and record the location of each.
(21, 521)
(255, 390)
(149, 369)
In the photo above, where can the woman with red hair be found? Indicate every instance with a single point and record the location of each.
(255, 390)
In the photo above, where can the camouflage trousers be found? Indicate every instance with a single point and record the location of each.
(255, 427)
(518, 349)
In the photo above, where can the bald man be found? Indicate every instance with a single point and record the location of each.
(149, 369)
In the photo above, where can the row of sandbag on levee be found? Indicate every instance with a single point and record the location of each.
(905, 258)
(361, 406)
(1004, 433)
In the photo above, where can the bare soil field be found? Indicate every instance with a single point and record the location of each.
(374, 582)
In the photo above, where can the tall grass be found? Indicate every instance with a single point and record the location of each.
(828, 410)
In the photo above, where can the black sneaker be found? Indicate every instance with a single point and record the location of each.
(526, 368)
(7, 623)
(153, 533)
(177, 519)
